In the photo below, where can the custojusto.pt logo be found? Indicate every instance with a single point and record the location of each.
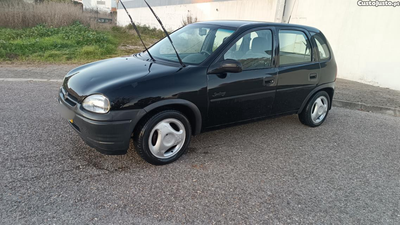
(378, 3)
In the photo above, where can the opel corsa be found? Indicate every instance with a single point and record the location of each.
(225, 72)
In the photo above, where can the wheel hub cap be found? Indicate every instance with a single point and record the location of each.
(319, 109)
(167, 138)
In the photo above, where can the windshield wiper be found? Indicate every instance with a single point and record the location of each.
(137, 31)
(166, 33)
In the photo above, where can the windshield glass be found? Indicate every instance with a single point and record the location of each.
(194, 43)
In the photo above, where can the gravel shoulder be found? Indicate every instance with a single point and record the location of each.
(35, 71)
(351, 91)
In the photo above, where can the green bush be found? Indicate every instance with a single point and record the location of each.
(55, 44)
(75, 43)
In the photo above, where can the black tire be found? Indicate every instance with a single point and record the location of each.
(305, 116)
(143, 131)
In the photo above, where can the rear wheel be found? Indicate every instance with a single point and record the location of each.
(163, 138)
(316, 110)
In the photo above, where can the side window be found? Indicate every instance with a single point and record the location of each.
(323, 49)
(294, 47)
(253, 50)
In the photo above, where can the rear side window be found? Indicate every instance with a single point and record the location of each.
(294, 47)
(323, 49)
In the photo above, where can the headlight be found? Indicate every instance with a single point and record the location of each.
(96, 104)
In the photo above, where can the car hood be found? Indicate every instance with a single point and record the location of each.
(101, 76)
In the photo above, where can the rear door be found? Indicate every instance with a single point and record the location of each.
(298, 70)
(249, 94)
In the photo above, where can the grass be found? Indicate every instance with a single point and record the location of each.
(59, 31)
(76, 43)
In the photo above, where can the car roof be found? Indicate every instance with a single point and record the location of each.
(253, 24)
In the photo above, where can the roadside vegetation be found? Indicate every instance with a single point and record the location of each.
(62, 32)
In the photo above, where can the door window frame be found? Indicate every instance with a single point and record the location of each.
(241, 35)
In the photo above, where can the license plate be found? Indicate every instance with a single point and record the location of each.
(65, 112)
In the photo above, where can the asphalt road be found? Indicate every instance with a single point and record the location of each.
(270, 172)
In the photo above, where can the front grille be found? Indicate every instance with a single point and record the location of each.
(68, 98)
(71, 103)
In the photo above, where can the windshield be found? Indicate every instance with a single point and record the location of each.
(194, 43)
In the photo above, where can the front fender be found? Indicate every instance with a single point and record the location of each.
(190, 105)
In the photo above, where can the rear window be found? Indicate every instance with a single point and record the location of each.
(322, 46)
(294, 47)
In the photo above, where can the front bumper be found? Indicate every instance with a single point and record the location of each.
(108, 133)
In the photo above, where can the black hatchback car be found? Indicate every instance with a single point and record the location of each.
(231, 72)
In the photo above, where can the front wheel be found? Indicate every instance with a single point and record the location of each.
(163, 138)
(316, 110)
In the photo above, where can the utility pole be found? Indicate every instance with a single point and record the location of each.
(284, 10)
(280, 10)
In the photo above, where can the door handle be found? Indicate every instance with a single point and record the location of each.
(268, 81)
(313, 76)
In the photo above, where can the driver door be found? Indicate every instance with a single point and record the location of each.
(235, 97)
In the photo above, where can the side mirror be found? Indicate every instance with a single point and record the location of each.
(226, 66)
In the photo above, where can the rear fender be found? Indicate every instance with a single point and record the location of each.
(328, 86)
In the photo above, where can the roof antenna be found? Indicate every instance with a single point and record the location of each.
(166, 33)
(137, 31)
